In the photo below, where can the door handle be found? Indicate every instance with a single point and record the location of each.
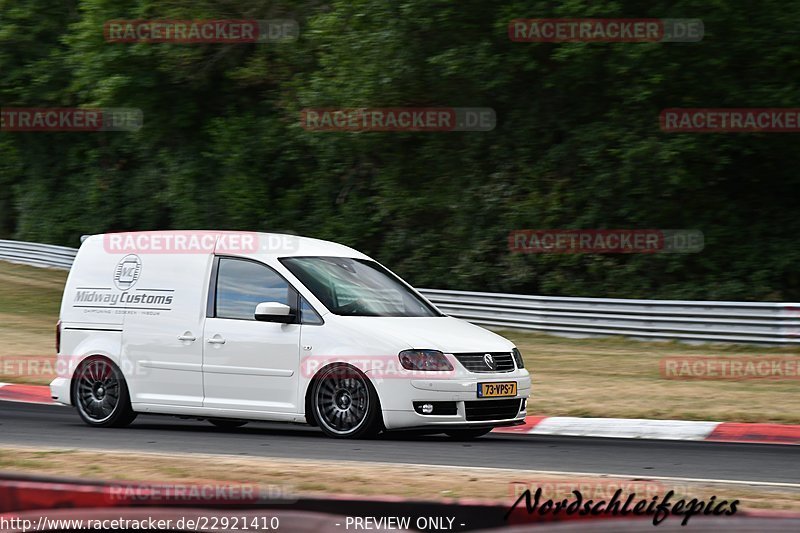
(187, 337)
(216, 339)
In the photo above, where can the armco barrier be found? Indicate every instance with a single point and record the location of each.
(40, 255)
(707, 321)
(703, 321)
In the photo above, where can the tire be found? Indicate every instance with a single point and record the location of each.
(94, 385)
(467, 434)
(227, 423)
(344, 403)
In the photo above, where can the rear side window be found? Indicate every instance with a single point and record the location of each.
(241, 285)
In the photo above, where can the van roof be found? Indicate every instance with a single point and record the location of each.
(223, 242)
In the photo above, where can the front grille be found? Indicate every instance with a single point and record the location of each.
(477, 362)
(492, 409)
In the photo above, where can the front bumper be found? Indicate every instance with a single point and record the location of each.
(397, 397)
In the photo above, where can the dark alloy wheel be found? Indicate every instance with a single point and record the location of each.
(345, 404)
(101, 395)
(467, 434)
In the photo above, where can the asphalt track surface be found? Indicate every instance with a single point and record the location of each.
(55, 426)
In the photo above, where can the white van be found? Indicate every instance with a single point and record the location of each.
(232, 327)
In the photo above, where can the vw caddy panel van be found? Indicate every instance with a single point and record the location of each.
(234, 327)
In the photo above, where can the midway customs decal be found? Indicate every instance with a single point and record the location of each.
(125, 299)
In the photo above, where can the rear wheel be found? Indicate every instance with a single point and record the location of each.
(227, 423)
(344, 403)
(101, 395)
(467, 434)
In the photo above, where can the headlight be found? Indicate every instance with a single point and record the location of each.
(426, 360)
(518, 358)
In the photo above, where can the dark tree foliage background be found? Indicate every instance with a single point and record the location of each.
(577, 144)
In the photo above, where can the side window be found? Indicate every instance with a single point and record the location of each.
(241, 285)
(308, 315)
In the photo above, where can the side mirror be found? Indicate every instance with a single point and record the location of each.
(274, 312)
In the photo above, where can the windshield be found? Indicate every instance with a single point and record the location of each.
(356, 287)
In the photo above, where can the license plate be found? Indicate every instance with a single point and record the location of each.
(497, 390)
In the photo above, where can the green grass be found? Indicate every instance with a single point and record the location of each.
(29, 304)
(31, 292)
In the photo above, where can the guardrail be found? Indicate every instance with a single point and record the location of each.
(35, 254)
(701, 321)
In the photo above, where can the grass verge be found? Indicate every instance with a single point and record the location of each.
(30, 299)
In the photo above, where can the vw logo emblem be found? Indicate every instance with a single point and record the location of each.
(489, 360)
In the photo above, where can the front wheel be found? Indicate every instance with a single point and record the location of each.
(101, 395)
(467, 434)
(344, 403)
